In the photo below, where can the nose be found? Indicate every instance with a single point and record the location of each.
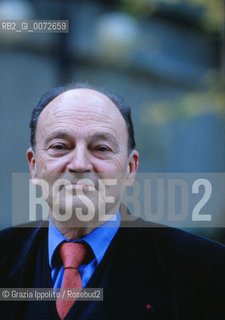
(79, 160)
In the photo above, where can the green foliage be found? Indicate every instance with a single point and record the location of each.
(211, 16)
(194, 104)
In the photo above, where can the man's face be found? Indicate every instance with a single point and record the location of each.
(81, 134)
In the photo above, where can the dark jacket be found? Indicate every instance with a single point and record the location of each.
(147, 273)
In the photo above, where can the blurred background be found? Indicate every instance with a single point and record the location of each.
(165, 58)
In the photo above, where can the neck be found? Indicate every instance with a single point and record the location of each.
(73, 233)
(74, 229)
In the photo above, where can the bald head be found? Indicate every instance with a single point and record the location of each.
(82, 109)
(90, 97)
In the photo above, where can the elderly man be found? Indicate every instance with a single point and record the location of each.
(82, 146)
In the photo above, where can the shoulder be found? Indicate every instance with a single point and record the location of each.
(22, 231)
(188, 260)
(17, 241)
(178, 244)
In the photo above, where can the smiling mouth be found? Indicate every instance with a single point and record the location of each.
(80, 186)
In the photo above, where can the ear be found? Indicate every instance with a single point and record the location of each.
(31, 162)
(132, 167)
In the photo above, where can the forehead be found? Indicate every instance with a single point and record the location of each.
(87, 97)
(81, 107)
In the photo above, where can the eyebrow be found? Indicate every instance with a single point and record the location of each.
(58, 134)
(104, 136)
(96, 136)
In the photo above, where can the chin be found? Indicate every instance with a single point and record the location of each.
(76, 214)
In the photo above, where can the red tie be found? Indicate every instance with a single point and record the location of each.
(72, 255)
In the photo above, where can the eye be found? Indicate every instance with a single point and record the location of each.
(102, 148)
(101, 151)
(58, 147)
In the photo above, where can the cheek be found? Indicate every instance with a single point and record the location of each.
(46, 166)
(114, 172)
(113, 166)
(107, 171)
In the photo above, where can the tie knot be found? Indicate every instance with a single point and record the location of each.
(72, 254)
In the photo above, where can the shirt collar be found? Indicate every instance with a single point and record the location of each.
(99, 239)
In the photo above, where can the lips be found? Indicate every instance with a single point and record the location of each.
(80, 186)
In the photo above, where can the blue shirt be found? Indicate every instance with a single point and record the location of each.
(99, 240)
